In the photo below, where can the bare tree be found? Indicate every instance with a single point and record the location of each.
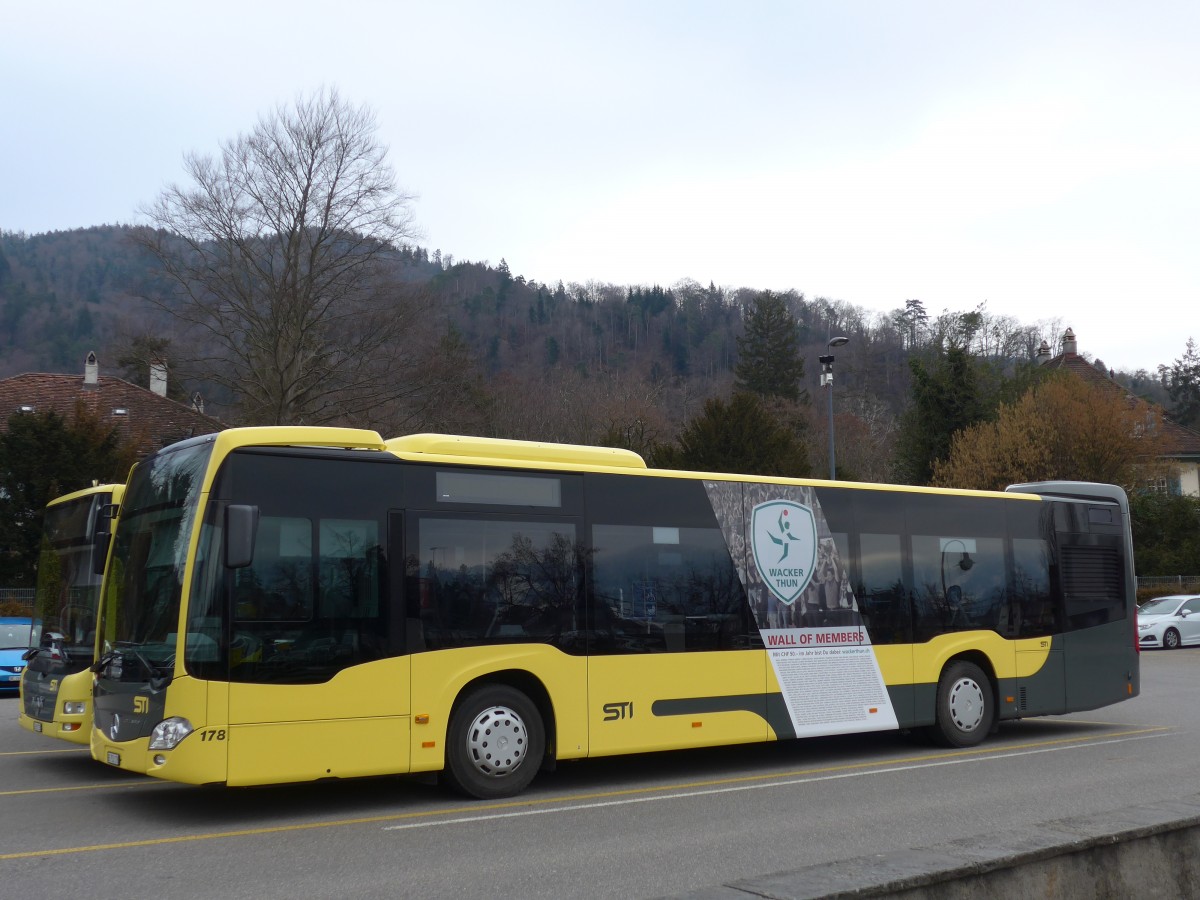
(283, 252)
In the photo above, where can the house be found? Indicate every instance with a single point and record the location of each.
(1181, 445)
(145, 418)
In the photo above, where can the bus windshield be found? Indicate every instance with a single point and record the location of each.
(148, 559)
(68, 588)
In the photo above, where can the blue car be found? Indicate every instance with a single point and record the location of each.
(14, 641)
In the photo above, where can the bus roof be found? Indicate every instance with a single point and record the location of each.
(470, 450)
(115, 489)
(497, 450)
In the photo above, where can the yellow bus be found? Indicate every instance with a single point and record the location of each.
(56, 686)
(295, 604)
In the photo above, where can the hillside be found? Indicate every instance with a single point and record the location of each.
(595, 356)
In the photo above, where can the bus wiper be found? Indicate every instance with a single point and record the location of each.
(99, 665)
(158, 678)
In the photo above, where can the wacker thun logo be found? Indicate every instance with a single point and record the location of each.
(783, 539)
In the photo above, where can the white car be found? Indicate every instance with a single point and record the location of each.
(1169, 622)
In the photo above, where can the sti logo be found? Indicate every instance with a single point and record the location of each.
(783, 540)
(141, 704)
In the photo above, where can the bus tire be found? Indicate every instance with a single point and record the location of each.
(966, 707)
(1171, 639)
(495, 743)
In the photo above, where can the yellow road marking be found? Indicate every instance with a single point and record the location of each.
(40, 752)
(475, 809)
(78, 787)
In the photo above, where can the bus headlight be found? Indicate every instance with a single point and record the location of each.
(169, 732)
(74, 708)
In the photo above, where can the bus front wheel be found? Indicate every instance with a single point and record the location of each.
(495, 743)
(966, 707)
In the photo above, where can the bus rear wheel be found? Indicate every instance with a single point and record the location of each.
(495, 743)
(966, 707)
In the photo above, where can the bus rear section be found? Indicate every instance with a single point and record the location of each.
(1093, 658)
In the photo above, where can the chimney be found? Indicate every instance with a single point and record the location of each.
(158, 377)
(91, 370)
(1069, 344)
(1043, 354)
(198, 403)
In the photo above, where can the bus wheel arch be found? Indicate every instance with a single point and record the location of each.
(498, 735)
(966, 703)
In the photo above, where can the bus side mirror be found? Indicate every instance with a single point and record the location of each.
(241, 525)
(100, 542)
(102, 536)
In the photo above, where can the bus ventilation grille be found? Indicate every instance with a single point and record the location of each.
(1021, 700)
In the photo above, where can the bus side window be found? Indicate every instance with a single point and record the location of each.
(490, 581)
(882, 599)
(666, 589)
(1033, 612)
(277, 586)
(960, 583)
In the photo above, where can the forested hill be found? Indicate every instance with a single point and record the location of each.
(667, 348)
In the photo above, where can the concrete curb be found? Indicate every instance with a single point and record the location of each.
(1143, 851)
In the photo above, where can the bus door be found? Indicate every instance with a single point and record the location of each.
(317, 686)
(885, 604)
(490, 592)
(675, 660)
(1034, 620)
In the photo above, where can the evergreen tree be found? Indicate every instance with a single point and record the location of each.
(739, 436)
(769, 361)
(912, 322)
(947, 395)
(1166, 533)
(504, 284)
(43, 456)
(1182, 381)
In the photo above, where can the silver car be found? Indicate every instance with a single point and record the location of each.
(1169, 622)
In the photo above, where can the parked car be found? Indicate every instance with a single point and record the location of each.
(1169, 622)
(14, 641)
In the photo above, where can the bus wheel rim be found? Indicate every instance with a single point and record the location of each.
(497, 741)
(966, 704)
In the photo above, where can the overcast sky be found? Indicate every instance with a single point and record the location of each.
(1042, 157)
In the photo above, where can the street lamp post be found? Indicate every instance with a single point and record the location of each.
(827, 381)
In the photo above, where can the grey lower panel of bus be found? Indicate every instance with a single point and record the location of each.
(1085, 669)
(1103, 665)
(771, 707)
(1096, 677)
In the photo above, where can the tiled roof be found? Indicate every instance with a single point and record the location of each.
(1178, 441)
(1077, 365)
(141, 416)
